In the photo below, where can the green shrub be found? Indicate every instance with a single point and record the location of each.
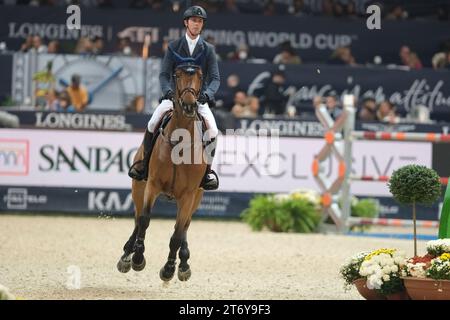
(281, 215)
(365, 208)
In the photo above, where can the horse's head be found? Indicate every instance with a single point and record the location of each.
(188, 80)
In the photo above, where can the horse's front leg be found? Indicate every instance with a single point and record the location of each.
(143, 221)
(183, 219)
(179, 240)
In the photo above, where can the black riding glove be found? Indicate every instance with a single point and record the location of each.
(203, 98)
(168, 96)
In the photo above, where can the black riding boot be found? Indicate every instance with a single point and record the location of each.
(211, 180)
(139, 169)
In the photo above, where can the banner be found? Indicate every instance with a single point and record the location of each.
(315, 38)
(94, 159)
(405, 89)
(107, 203)
(111, 202)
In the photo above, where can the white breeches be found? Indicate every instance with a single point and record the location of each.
(203, 109)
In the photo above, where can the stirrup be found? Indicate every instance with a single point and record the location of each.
(210, 181)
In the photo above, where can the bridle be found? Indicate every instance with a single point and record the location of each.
(188, 110)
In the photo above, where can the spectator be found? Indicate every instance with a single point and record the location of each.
(230, 6)
(368, 110)
(405, 54)
(27, 45)
(333, 107)
(327, 8)
(439, 60)
(448, 60)
(137, 105)
(287, 55)
(269, 9)
(225, 97)
(38, 46)
(98, 46)
(78, 93)
(386, 113)
(342, 56)
(397, 13)
(84, 46)
(274, 97)
(350, 10)
(64, 103)
(241, 53)
(53, 47)
(52, 100)
(164, 46)
(414, 61)
(338, 9)
(125, 47)
(298, 8)
(253, 107)
(240, 103)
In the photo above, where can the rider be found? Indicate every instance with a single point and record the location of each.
(189, 45)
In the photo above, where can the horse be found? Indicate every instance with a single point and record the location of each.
(179, 181)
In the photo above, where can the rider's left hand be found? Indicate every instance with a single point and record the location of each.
(203, 98)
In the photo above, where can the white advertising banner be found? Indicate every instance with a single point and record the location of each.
(95, 159)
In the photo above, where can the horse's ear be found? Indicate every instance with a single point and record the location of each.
(178, 59)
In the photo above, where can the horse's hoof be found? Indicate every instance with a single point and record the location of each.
(165, 276)
(136, 265)
(184, 275)
(124, 266)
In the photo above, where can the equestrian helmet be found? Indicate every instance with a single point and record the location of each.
(195, 11)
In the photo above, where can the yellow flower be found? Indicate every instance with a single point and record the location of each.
(445, 256)
(378, 252)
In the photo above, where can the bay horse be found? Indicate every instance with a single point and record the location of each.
(180, 181)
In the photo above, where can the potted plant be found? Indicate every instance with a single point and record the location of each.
(382, 268)
(349, 272)
(428, 277)
(414, 184)
(296, 212)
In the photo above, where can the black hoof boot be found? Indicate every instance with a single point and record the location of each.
(138, 259)
(166, 273)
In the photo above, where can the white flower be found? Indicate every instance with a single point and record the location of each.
(386, 277)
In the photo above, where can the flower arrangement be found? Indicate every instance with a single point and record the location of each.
(349, 271)
(440, 267)
(417, 266)
(438, 247)
(433, 265)
(382, 269)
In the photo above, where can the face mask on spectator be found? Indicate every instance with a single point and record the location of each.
(242, 55)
